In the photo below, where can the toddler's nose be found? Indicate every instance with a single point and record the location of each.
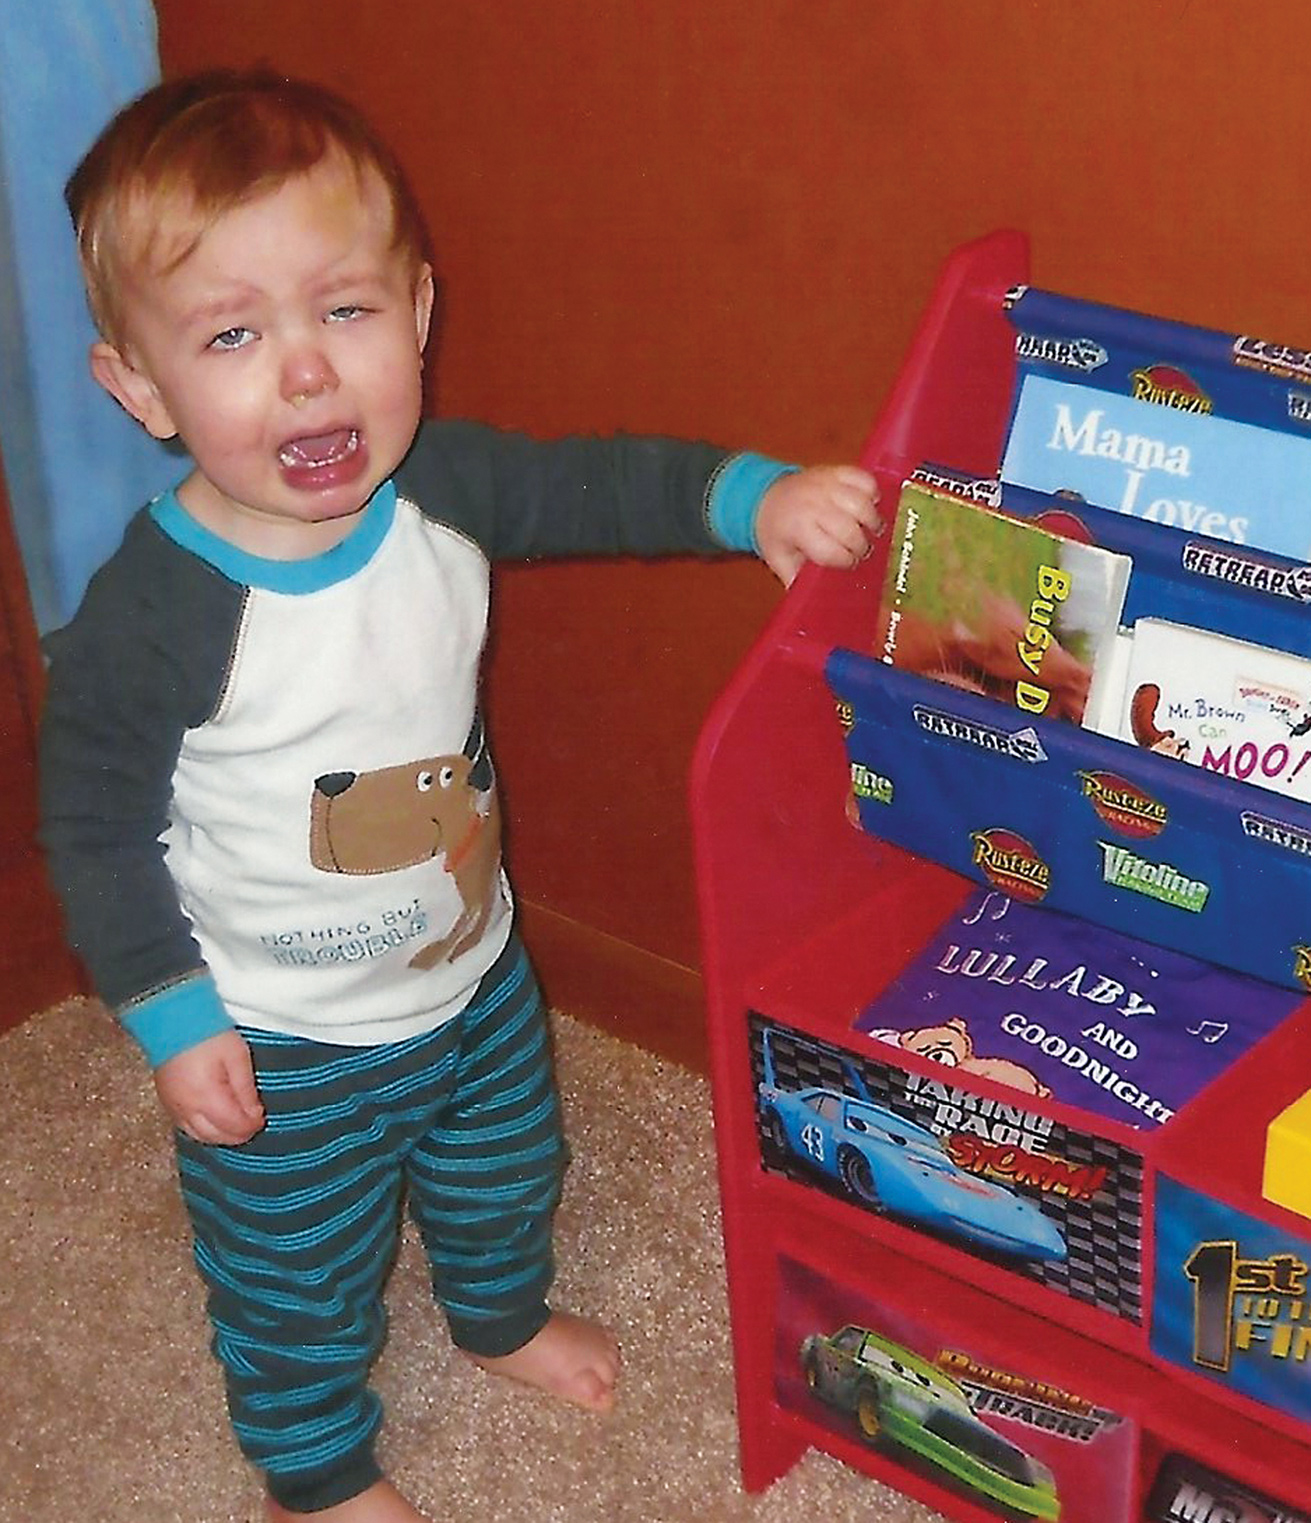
(306, 376)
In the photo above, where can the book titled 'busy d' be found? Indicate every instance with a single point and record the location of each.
(999, 605)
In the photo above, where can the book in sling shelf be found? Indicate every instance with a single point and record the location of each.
(1048, 1004)
(1000, 606)
(1226, 705)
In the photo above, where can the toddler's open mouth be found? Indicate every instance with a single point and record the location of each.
(317, 451)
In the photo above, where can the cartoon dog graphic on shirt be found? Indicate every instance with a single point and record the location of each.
(396, 817)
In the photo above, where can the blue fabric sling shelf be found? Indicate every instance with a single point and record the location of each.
(1208, 869)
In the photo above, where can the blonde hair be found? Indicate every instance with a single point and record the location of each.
(184, 153)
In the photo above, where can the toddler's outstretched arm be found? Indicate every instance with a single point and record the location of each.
(826, 514)
(209, 1090)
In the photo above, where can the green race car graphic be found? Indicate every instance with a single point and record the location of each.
(899, 1398)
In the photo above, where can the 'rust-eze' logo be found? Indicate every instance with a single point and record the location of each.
(1011, 864)
(1302, 965)
(1168, 387)
(1123, 805)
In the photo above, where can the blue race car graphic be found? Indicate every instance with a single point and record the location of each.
(887, 1163)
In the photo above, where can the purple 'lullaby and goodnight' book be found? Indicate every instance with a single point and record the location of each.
(1052, 1005)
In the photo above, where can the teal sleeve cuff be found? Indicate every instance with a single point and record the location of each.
(734, 498)
(181, 1016)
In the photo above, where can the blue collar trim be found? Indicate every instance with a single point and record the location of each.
(339, 563)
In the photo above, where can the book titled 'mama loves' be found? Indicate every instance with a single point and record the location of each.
(999, 605)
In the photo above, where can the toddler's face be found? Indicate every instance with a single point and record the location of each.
(285, 350)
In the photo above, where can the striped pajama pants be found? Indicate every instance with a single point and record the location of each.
(296, 1229)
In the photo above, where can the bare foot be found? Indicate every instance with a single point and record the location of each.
(571, 1358)
(381, 1503)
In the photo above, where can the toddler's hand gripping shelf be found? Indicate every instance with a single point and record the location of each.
(947, 1264)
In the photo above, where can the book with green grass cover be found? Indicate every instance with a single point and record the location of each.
(1000, 606)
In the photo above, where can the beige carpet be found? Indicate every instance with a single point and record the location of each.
(110, 1409)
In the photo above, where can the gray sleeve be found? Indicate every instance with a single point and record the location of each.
(144, 659)
(520, 497)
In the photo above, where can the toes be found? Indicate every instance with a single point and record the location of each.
(594, 1392)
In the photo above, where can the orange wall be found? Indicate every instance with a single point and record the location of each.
(722, 220)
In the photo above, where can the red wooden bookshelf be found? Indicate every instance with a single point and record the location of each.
(805, 918)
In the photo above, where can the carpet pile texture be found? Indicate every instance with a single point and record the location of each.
(111, 1409)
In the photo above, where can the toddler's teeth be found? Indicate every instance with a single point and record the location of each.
(320, 449)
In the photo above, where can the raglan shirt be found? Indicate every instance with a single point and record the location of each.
(265, 790)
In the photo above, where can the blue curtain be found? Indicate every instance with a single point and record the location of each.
(75, 464)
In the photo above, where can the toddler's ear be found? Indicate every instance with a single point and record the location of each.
(424, 294)
(132, 389)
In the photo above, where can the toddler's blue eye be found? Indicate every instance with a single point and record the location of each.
(345, 313)
(231, 338)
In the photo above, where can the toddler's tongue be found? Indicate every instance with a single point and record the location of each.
(319, 449)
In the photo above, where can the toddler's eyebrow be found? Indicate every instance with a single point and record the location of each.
(231, 303)
(349, 279)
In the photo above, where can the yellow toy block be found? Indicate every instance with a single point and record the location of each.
(1287, 1176)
